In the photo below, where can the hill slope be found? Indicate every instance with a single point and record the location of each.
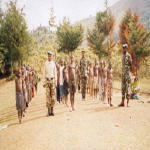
(142, 7)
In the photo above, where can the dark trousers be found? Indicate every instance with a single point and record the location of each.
(58, 93)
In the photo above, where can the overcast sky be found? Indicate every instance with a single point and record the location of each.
(37, 11)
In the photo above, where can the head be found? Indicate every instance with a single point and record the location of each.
(83, 54)
(50, 55)
(96, 61)
(90, 64)
(19, 73)
(65, 64)
(101, 64)
(61, 62)
(104, 63)
(22, 69)
(76, 63)
(72, 59)
(125, 47)
(110, 65)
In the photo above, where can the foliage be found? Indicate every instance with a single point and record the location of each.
(95, 41)
(100, 38)
(69, 37)
(14, 36)
(133, 32)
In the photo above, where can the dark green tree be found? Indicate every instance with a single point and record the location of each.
(101, 37)
(14, 35)
(69, 36)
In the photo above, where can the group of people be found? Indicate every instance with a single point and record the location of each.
(62, 79)
(100, 81)
(26, 86)
(91, 78)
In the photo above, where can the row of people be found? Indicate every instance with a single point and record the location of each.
(100, 81)
(26, 85)
(65, 77)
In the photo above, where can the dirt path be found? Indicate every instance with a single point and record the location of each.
(93, 126)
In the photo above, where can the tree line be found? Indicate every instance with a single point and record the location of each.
(17, 43)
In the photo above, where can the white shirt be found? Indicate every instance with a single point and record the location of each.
(50, 70)
(61, 80)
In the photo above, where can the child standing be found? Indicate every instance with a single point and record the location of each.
(65, 84)
(20, 105)
(91, 75)
(109, 84)
(95, 70)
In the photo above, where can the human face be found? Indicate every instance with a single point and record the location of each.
(110, 65)
(49, 57)
(104, 63)
(124, 50)
(101, 64)
(72, 59)
(96, 62)
(65, 64)
(83, 54)
(61, 62)
(22, 69)
(19, 73)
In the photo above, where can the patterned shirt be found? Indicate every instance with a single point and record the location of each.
(83, 67)
(126, 65)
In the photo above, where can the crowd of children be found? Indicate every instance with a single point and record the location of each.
(26, 86)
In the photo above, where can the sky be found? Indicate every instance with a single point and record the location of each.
(37, 12)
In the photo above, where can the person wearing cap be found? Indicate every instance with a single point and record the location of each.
(126, 69)
(50, 82)
(83, 74)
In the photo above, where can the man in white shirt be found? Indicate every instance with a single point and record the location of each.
(61, 80)
(50, 82)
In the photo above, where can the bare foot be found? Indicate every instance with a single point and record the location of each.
(67, 105)
(111, 105)
(20, 121)
(70, 110)
(121, 105)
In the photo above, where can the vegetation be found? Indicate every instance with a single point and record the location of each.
(101, 37)
(133, 32)
(18, 45)
(14, 37)
(69, 37)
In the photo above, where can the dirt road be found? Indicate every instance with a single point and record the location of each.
(93, 126)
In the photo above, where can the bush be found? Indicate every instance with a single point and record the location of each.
(11, 77)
